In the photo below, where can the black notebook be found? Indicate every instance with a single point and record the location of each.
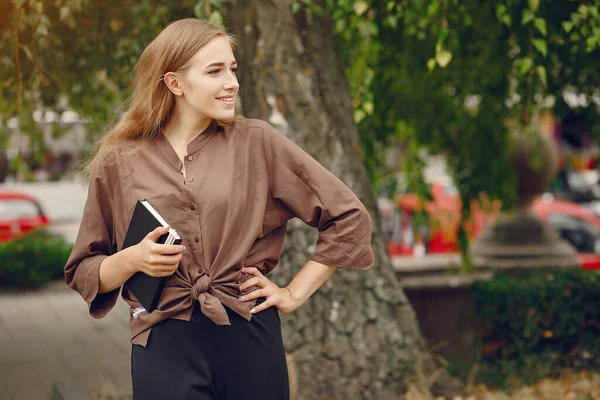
(145, 218)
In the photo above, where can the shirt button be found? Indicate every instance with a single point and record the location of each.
(196, 240)
(192, 207)
(191, 180)
(190, 158)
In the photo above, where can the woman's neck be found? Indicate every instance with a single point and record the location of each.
(183, 128)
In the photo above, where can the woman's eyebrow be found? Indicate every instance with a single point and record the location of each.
(219, 64)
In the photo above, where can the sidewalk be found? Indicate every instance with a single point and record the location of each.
(47, 335)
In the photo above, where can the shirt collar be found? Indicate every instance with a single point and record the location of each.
(195, 145)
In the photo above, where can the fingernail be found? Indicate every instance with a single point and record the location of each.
(242, 297)
(253, 311)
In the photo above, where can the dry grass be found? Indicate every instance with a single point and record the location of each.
(569, 386)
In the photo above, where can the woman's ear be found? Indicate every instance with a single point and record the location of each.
(172, 81)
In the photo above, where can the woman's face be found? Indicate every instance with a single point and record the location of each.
(209, 83)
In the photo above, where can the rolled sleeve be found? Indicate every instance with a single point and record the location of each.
(307, 190)
(93, 244)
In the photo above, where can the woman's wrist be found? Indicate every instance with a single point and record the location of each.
(126, 260)
(292, 297)
(115, 270)
(308, 280)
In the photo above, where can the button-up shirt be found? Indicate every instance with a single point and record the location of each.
(243, 182)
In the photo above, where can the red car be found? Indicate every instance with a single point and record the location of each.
(408, 236)
(19, 213)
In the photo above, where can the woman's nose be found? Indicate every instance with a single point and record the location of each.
(232, 82)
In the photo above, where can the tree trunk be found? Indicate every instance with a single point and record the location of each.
(357, 337)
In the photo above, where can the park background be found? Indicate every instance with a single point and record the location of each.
(391, 96)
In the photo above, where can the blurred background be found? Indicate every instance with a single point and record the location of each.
(470, 130)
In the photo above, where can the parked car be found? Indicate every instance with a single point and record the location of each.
(438, 233)
(19, 213)
(575, 224)
(581, 187)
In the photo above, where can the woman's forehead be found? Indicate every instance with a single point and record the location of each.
(217, 51)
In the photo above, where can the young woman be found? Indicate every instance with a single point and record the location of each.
(227, 186)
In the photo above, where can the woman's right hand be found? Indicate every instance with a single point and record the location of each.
(153, 258)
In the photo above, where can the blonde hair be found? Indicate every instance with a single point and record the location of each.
(151, 102)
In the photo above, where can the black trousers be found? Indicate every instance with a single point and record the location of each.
(199, 360)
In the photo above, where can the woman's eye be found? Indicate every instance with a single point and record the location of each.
(214, 71)
(234, 70)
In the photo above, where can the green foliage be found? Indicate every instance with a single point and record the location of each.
(533, 324)
(444, 75)
(79, 49)
(451, 77)
(33, 259)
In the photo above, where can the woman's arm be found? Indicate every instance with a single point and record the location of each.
(149, 257)
(114, 271)
(301, 187)
(95, 269)
(287, 299)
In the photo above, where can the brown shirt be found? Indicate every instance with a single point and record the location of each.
(243, 183)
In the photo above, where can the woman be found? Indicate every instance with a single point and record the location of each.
(227, 187)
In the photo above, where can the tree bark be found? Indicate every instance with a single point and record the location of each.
(357, 337)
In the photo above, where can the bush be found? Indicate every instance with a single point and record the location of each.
(534, 324)
(33, 259)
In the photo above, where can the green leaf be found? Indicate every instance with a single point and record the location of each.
(42, 30)
(567, 26)
(591, 43)
(443, 58)
(541, 71)
(216, 19)
(65, 12)
(368, 107)
(432, 8)
(442, 35)
(527, 17)
(430, 64)
(27, 52)
(503, 15)
(360, 7)
(541, 46)
(359, 115)
(540, 24)
(18, 3)
(593, 10)
(199, 10)
(500, 10)
(392, 21)
(526, 64)
(533, 5)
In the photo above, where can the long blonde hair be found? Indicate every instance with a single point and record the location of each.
(151, 102)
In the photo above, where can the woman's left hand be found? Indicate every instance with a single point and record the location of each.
(275, 296)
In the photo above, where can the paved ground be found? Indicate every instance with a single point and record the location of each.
(48, 336)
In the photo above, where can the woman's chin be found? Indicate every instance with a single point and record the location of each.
(224, 116)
